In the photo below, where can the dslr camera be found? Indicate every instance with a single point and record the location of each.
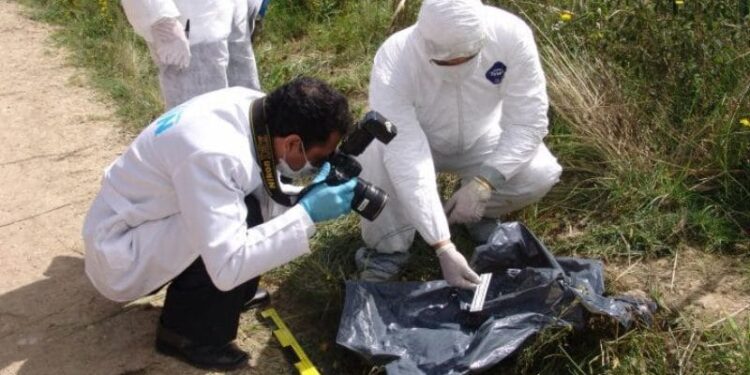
(369, 199)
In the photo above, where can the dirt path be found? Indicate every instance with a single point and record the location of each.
(56, 138)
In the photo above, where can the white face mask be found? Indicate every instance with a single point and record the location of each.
(307, 170)
(456, 73)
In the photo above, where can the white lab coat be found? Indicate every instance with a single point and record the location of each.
(177, 194)
(491, 120)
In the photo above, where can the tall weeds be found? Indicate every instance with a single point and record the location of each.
(647, 100)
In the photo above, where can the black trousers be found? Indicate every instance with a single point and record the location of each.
(195, 309)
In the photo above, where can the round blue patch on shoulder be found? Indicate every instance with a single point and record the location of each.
(496, 73)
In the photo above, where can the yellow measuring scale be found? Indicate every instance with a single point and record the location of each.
(287, 340)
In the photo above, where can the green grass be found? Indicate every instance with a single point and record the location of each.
(647, 100)
(655, 98)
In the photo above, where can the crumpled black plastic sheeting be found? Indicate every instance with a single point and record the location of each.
(425, 327)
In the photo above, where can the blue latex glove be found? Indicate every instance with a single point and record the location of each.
(325, 202)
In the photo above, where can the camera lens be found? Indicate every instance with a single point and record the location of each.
(368, 200)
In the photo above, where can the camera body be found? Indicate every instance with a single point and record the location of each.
(368, 199)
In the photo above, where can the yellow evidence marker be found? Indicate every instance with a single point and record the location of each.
(284, 335)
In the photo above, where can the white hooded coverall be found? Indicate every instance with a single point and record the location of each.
(178, 193)
(220, 46)
(486, 116)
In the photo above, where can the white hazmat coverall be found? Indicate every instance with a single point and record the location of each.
(178, 194)
(219, 54)
(486, 117)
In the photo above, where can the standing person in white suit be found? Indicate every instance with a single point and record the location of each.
(198, 46)
(466, 89)
(182, 206)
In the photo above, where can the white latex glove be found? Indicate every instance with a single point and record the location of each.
(467, 205)
(170, 42)
(456, 270)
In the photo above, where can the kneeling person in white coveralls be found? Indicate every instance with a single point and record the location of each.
(187, 203)
(466, 89)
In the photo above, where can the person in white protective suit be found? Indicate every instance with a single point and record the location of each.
(466, 89)
(188, 204)
(198, 46)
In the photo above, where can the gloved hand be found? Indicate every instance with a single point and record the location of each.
(325, 202)
(170, 42)
(456, 270)
(468, 203)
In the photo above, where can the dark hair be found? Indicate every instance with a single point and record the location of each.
(308, 107)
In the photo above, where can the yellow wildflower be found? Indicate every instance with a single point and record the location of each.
(104, 11)
(745, 122)
(566, 16)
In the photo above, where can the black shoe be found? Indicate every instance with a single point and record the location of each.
(261, 298)
(208, 357)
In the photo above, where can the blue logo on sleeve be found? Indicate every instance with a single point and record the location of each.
(496, 73)
(167, 120)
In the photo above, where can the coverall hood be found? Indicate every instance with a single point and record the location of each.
(451, 28)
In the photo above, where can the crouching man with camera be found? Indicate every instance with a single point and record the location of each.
(181, 205)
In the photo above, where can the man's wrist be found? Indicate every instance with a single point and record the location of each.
(445, 247)
(483, 182)
(491, 176)
(440, 244)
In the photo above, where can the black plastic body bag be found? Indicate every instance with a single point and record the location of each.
(426, 328)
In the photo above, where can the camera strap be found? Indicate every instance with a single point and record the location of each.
(264, 153)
